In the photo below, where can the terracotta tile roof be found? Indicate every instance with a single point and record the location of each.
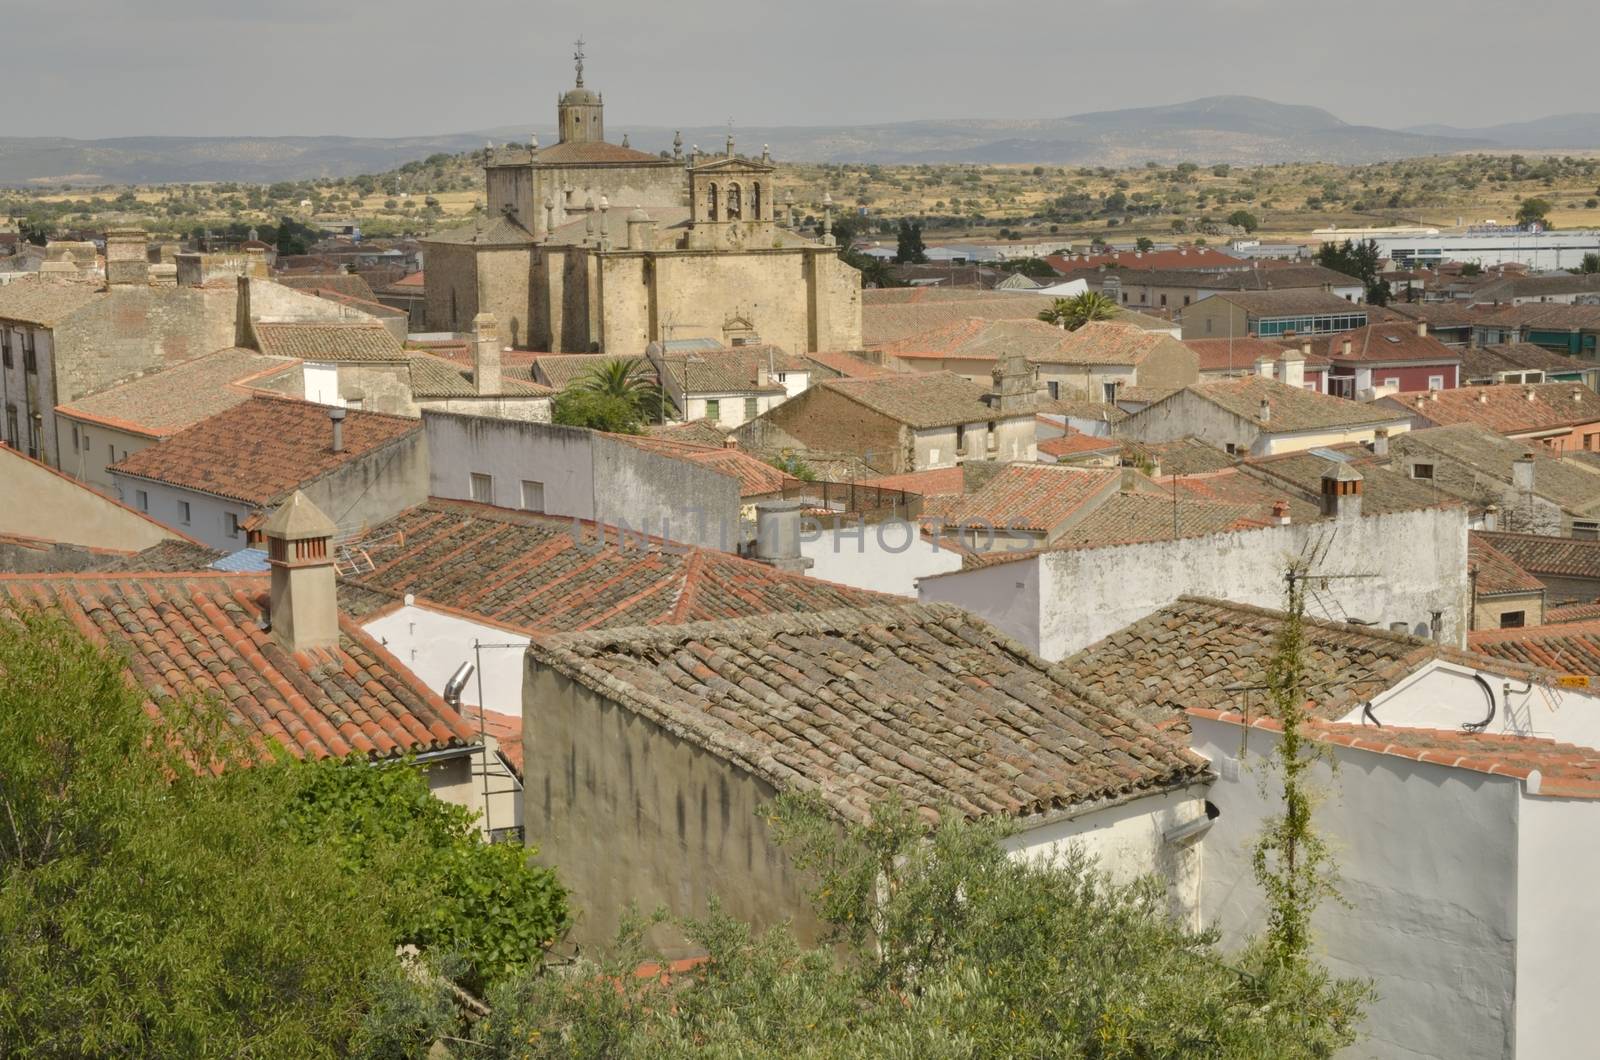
(1383, 490)
(731, 371)
(1496, 572)
(920, 400)
(35, 300)
(1292, 409)
(940, 482)
(199, 636)
(888, 315)
(263, 449)
(1549, 556)
(698, 432)
(436, 377)
(531, 573)
(1281, 278)
(1129, 518)
(168, 557)
(1545, 316)
(1396, 343)
(1179, 258)
(1568, 647)
(1240, 355)
(1199, 652)
(506, 730)
(1483, 362)
(1289, 303)
(1436, 314)
(561, 370)
(1506, 408)
(340, 340)
(1081, 410)
(1557, 770)
(846, 364)
(411, 283)
(928, 703)
(1075, 444)
(757, 478)
(164, 402)
(1233, 486)
(1184, 456)
(592, 151)
(1033, 497)
(1568, 483)
(1111, 342)
(1572, 613)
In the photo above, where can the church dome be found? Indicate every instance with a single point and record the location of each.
(580, 97)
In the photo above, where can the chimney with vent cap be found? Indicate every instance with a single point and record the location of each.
(1264, 414)
(304, 599)
(1422, 329)
(778, 535)
(1341, 492)
(1522, 473)
(1380, 442)
(336, 417)
(1264, 366)
(486, 355)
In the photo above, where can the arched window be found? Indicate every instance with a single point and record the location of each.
(711, 203)
(735, 203)
(755, 200)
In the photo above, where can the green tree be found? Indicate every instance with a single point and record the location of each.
(1074, 312)
(940, 945)
(909, 249)
(1471, 268)
(1144, 244)
(632, 382)
(1534, 211)
(1244, 219)
(1590, 263)
(1360, 260)
(575, 407)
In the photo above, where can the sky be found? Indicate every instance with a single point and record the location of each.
(104, 68)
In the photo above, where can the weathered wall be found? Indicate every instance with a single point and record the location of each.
(127, 331)
(37, 502)
(375, 487)
(822, 419)
(504, 276)
(627, 812)
(887, 557)
(451, 296)
(1187, 415)
(1491, 609)
(625, 186)
(1428, 867)
(1413, 563)
(528, 410)
(676, 499)
(208, 515)
(1558, 928)
(1213, 319)
(1127, 841)
(1169, 364)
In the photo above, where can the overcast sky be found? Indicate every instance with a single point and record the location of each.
(96, 68)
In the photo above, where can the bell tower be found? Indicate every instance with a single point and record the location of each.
(581, 113)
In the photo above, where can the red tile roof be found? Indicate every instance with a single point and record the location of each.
(1033, 497)
(1570, 557)
(1076, 443)
(846, 364)
(341, 340)
(264, 449)
(1180, 258)
(531, 573)
(1572, 613)
(1497, 572)
(1384, 344)
(1549, 768)
(940, 482)
(198, 636)
(1568, 647)
(1507, 408)
(164, 402)
(1240, 355)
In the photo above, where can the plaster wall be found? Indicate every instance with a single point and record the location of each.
(628, 812)
(528, 410)
(1428, 867)
(98, 447)
(1127, 842)
(1558, 928)
(208, 515)
(36, 502)
(1417, 562)
(1444, 696)
(825, 420)
(887, 557)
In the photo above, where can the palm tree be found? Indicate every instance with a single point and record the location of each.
(1073, 313)
(630, 381)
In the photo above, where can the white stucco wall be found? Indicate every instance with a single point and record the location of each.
(432, 644)
(1429, 877)
(207, 522)
(886, 557)
(1415, 563)
(1558, 928)
(1444, 695)
(1127, 842)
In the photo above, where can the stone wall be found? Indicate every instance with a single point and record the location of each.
(822, 419)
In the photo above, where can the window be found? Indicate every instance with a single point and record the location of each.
(5, 346)
(1424, 471)
(961, 440)
(111, 453)
(1185, 299)
(75, 445)
(29, 363)
(1054, 389)
(711, 202)
(1110, 392)
(1591, 442)
(1393, 381)
(735, 203)
(532, 496)
(755, 199)
(1124, 297)
(1435, 382)
(993, 438)
(1585, 531)
(142, 499)
(11, 425)
(1208, 325)
(783, 377)
(230, 524)
(1513, 619)
(1163, 299)
(1231, 449)
(481, 487)
(750, 412)
(183, 512)
(714, 409)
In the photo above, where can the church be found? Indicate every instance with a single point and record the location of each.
(592, 246)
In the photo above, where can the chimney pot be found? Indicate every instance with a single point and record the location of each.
(1380, 442)
(303, 596)
(778, 535)
(1265, 413)
(1280, 512)
(336, 417)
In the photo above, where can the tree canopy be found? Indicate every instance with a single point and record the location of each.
(1358, 259)
(1074, 312)
(166, 892)
(909, 249)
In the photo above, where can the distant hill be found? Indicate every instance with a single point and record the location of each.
(1556, 132)
(1236, 129)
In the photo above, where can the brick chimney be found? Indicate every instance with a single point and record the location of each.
(778, 535)
(1341, 492)
(127, 257)
(1280, 513)
(486, 355)
(304, 601)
